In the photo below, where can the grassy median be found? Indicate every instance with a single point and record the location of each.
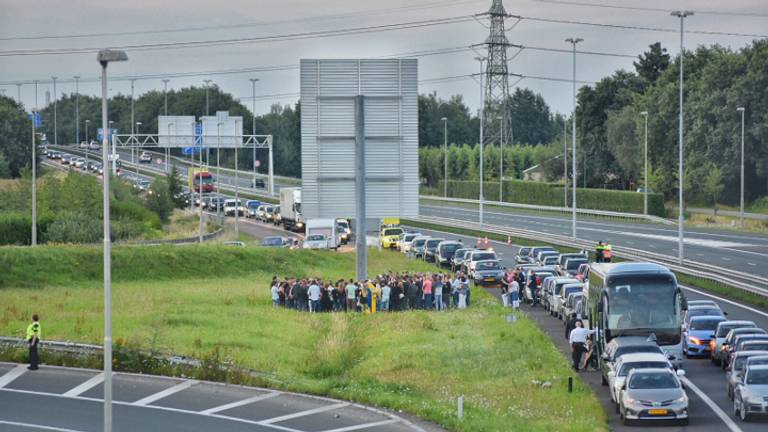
(195, 301)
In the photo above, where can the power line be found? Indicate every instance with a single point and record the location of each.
(246, 25)
(638, 8)
(654, 29)
(236, 41)
(287, 67)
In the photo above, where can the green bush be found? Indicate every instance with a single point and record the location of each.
(74, 227)
(16, 228)
(552, 194)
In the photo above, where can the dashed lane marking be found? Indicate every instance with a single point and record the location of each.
(37, 426)
(303, 413)
(84, 387)
(12, 375)
(239, 403)
(165, 393)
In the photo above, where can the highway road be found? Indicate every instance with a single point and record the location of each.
(745, 252)
(707, 378)
(70, 400)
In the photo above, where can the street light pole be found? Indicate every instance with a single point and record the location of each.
(645, 172)
(104, 57)
(108, 133)
(253, 129)
(218, 171)
(207, 150)
(445, 156)
(573, 42)
(135, 150)
(501, 161)
(35, 94)
(18, 92)
(87, 144)
(237, 189)
(77, 109)
(165, 96)
(680, 173)
(34, 180)
(55, 128)
(482, 137)
(565, 162)
(741, 200)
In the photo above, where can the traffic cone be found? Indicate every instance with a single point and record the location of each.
(509, 240)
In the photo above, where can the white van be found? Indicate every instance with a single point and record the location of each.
(321, 234)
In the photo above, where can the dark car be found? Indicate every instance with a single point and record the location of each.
(571, 266)
(445, 251)
(522, 256)
(258, 183)
(458, 258)
(488, 273)
(430, 249)
(216, 204)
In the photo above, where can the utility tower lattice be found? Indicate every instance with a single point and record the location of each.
(497, 118)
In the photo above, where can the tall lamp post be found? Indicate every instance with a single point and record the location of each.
(645, 169)
(134, 150)
(741, 199)
(680, 173)
(87, 144)
(501, 160)
(253, 130)
(165, 111)
(445, 156)
(34, 178)
(55, 128)
(565, 163)
(77, 109)
(105, 57)
(573, 42)
(482, 137)
(207, 113)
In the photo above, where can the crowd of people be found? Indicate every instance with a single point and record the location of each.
(385, 293)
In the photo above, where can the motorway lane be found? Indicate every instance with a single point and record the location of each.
(71, 400)
(707, 377)
(747, 253)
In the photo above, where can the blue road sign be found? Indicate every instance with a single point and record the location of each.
(198, 141)
(100, 137)
(37, 119)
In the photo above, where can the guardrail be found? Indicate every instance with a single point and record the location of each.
(751, 283)
(186, 240)
(568, 210)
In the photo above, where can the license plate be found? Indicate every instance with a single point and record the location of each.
(657, 412)
(490, 279)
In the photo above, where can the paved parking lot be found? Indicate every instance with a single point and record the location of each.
(70, 400)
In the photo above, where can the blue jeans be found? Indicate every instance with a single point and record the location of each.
(427, 301)
(314, 305)
(384, 305)
(468, 291)
(439, 302)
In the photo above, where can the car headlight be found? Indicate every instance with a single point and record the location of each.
(694, 340)
(630, 400)
(682, 399)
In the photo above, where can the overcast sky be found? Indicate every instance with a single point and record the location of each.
(260, 18)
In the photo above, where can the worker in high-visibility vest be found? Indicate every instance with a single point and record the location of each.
(607, 252)
(33, 338)
(599, 248)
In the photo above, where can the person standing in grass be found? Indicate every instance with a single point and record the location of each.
(314, 296)
(427, 289)
(275, 295)
(33, 339)
(437, 291)
(386, 291)
(351, 290)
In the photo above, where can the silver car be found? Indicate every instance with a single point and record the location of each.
(628, 362)
(751, 394)
(716, 343)
(653, 394)
(736, 370)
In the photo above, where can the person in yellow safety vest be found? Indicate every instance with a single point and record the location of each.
(33, 338)
(607, 252)
(599, 248)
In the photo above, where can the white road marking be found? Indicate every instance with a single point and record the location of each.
(630, 242)
(37, 426)
(84, 387)
(362, 426)
(240, 403)
(724, 300)
(716, 409)
(165, 393)
(12, 375)
(752, 264)
(726, 258)
(303, 413)
(700, 254)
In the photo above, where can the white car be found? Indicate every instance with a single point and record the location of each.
(145, 157)
(478, 255)
(628, 362)
(406, 240)
(316, 241)
(230, 205)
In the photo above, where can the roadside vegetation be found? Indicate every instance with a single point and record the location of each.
(213, 302)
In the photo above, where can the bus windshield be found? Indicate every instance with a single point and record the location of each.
(639, 305)
(206, 180)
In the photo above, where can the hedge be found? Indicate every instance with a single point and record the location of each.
(552, 194)
(16, 228)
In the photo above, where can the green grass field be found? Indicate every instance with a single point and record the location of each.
(418, 362)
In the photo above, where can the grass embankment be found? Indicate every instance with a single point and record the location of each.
(418, 362)
(692, 281)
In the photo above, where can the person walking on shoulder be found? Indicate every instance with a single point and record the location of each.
(33, 339)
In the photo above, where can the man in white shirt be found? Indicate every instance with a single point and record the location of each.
(314, 296)
(578, 341)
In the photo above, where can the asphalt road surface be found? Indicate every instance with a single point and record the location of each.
(70, 400)
(708, 379)
(745, 252)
